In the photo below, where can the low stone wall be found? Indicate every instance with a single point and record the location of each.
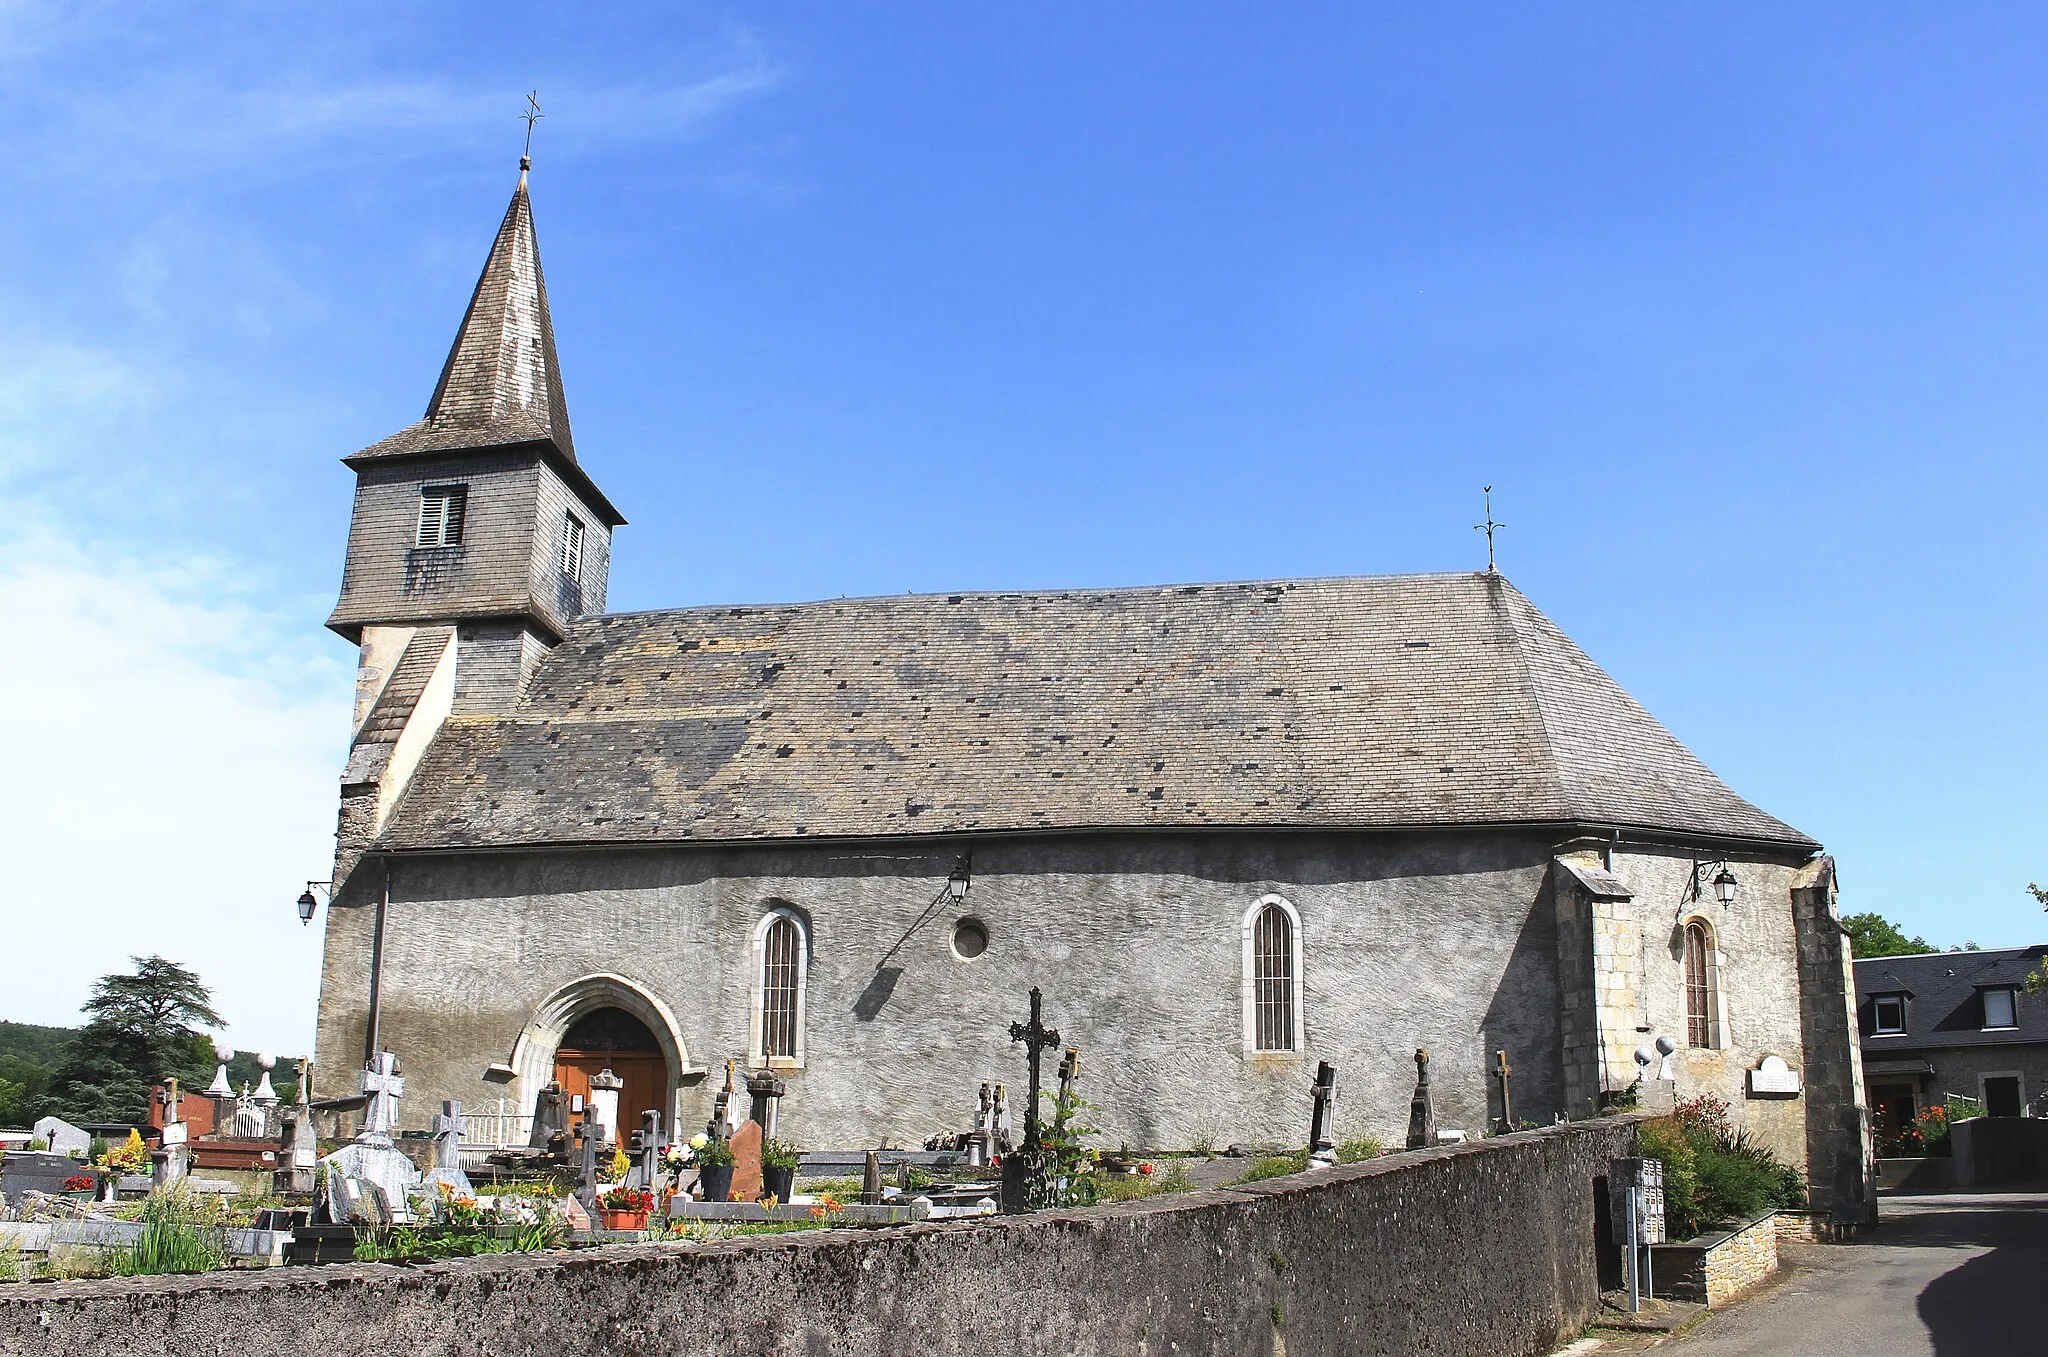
(1992, 1150)
(1715, 1269)
(1482, 1249)
(1933, 1173)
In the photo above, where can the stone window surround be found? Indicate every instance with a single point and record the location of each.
(2018, 1076)
(1247, 930)
(757, 988)
(1718, 1035)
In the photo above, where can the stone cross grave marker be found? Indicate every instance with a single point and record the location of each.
(449, 1125)
(1421, 1111)
(589, 1131)
(766, 1090)
(871, 1180)
(982, 1143)
(1005, 1131)
(551, 1122)
(172, 1156)
(384, 1086)
(1322, 1149)
(304, 1137)
(746, 1162)
(1070, 1074)
(646, 1149)
(1502, 1072)
(1037, 1039)
(722, 1123)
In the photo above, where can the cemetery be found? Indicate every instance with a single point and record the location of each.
(1018, 1232)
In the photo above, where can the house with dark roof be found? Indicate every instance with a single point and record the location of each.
(1952, 1024)
(1230, 830)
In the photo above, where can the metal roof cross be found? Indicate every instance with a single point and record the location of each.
(1487, 527)
(532, 114)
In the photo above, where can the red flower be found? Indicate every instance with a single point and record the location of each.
(1144, 1168)
(78, 1182)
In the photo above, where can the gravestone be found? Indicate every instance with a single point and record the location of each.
(1421, 1111)
(981, 1144)
(62, 1137)
(604, 1103)
(1002, 1129)
(646, 1151)
(746, 1162)
(448, 1128)
(589, 1135)
(1024, 1170)
(551, 1122)
(871, 1180)
(724, 1117)
(371, 1155)
(766, 1090)
(1504, 1074)
(301, 1147)
(1322, 1149)
(172, 1157)
(35, 1171)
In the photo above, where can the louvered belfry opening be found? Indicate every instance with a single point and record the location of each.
(1273, 980)
(1699, 986)
(781, 958)
(442, 508)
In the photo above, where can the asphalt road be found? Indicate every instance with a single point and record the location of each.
(1962, 1275)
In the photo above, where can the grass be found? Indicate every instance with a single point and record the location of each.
(178, 1235)
(1359, 1150)
(1273, 1166)
(1130, 1187)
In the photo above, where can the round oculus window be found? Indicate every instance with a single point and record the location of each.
(970, 939)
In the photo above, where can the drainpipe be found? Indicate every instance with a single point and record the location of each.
(371, 1044)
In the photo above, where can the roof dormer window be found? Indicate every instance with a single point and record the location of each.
(442, 509)
(1999, 1008)
(1888, 1015)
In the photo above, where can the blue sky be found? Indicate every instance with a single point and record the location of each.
(1743, 315)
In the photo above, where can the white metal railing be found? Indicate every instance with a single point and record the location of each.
(495, 1128)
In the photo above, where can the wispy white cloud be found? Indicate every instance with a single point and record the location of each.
(322, 111)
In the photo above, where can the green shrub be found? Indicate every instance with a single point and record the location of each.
(1712, 1172)
(1359, 1150)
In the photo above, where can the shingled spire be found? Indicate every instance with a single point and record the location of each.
(502, 382)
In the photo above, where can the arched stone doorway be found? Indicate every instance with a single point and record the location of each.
(614, 1017)
(613, 1039)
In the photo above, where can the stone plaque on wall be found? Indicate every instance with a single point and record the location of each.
(1773, 1078)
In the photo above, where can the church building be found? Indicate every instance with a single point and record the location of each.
(1230, 830)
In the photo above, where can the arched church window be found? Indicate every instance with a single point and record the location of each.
(1702, 987)
(1272, 976)
(782, 947)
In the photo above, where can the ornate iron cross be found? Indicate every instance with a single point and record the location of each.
(1037, 1039)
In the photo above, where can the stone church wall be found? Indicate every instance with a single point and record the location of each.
(1487, 1250)
(1444, 941)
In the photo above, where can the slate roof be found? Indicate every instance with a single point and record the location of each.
(1417, 701)
(502, 382)
(1942, 1006)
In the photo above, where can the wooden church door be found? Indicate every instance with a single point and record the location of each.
(611, 1038)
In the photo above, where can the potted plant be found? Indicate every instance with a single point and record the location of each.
(714, 1170)
(779, 1160)
(625, 1208)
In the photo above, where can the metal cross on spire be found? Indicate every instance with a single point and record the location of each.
(532, 114)
(1487, 527)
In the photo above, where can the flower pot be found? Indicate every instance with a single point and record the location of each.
(625, 1220)
(717, 1181)
(777, 1182)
